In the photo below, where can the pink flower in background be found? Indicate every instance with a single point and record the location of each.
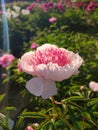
(31, 6)
(38, 0)
(93, 86)
(30, 128)
(47, 6)
(50, 5)
(0, 12)
(49, 63)
(6, 60)
(60, 7)
(91, 6)
(34, 45)
(52, 19)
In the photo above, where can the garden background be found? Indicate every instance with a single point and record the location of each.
(76, 29)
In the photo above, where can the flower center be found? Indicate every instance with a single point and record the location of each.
(54, 55)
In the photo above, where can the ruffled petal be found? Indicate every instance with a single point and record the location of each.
(25, 63)
(55, 72)
(49, 89)
(45, 46)
(35, 86)
(25, 67)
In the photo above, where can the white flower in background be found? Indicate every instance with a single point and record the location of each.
(14, 14)
(17, 8)
(10, 13)
(25, 12)
(8, 10)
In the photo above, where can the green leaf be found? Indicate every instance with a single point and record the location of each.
(73, 98)
(88, 117)
(95, 114)
(1, 97)
(33, 115)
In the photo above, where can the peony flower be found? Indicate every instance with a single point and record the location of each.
(52, 19)
(14, 14)
(91, 6)
(25, 12)
(34, 45)
(30, 128)
(6, 60)
(47, 6)
(49, 63)
(31, 7)
(93, 86)
(17, 8)
(60, 7)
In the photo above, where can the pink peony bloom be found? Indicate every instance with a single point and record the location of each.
(52, 19)
(47, 6)
(6, 60)
(49, 63)
(93, 86)
(60, 7)
(34, 45)
(31, 6)
(30, 128)
(91, 6)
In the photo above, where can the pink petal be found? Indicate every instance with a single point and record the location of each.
(59, 73)
(35, 86)
(93, 86)
(49, 89)
(45, 46)
(25, 63)
(25, 67)
(41, 87)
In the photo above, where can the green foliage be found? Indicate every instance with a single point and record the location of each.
(73, 108)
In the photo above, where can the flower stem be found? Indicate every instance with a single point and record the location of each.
(67, 123)
(53, 103)
(62, 117)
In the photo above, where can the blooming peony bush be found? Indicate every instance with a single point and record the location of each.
(44, 86)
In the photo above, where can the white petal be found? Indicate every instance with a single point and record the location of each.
(45, 46)
(35, 86)
(54, 72)
(49, 89)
